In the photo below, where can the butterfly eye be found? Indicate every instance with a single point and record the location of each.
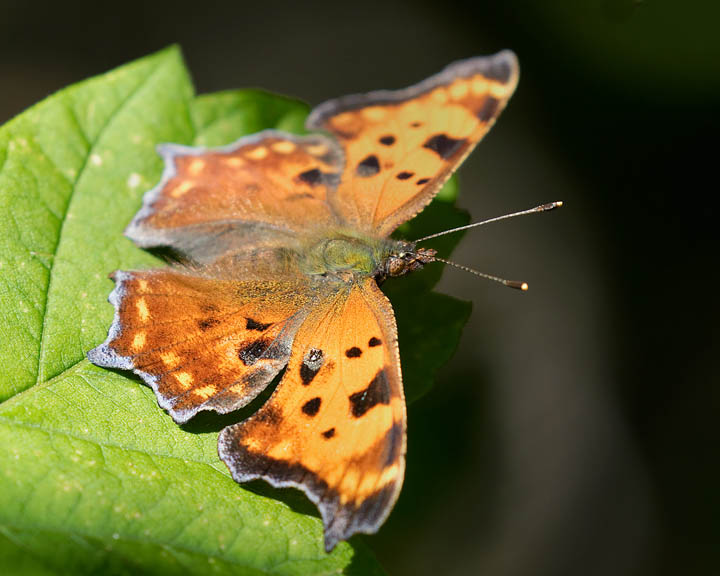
(396, 266)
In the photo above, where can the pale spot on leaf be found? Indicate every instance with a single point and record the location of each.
(134, 180)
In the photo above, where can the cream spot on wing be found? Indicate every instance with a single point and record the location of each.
(205, 392)
(185, 379)
(374, 113)
(459, 90)
(283, 449)
(368, 485)
(138, 341)
(252, 443)
(142, 309)
(498, 90)
(343, 119)
(317, 149)
(234, 161)
(142, 285)
(181, 189)
(257, 153)
(283, 147)
(388, 475)
(440, 96)
(170, 359)
(349, 484)
(196, 166)
(479, 86)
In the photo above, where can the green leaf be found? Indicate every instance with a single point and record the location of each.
(73, 170)
(94, 477)
(223, 117)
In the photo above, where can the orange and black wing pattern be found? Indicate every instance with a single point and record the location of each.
(259, 191)
(401, 146)
(201, 343)
(335, 425)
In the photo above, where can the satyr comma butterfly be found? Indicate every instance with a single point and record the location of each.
(284, 240)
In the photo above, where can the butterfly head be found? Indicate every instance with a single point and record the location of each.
(405, 258)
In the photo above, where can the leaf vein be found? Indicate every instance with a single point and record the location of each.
(133, 93)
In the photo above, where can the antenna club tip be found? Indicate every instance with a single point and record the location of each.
(515, 284)
(550, 206)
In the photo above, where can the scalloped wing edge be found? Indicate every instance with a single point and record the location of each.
(105, 357)
(502, 67)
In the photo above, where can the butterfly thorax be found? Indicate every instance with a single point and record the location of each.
(347, 255)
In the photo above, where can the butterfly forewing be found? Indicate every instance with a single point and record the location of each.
(400, 147)
(259, 191)
(201, 343)
(335, 425)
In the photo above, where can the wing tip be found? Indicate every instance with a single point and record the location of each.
(340, 521)
(503, 67)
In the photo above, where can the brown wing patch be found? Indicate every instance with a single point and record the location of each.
(266, 182)
(201, 343)
(335, 426)
(401, 147)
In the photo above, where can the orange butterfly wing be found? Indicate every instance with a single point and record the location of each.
(401, 146)
(258, 192)
(212, 339)
(201, 343)
(335, 425)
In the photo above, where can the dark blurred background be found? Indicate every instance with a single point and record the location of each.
(576, 429)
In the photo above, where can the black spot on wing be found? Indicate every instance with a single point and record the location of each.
(311, 365)
(353, 352)
(489, 109)
(253, 351)
(311, 177)
(207, 323)
(422, 181)
(257, 326)
(377, 392)
(268, 415)
(443, 145)
(312, 407)
(404, 175)
(415, 124)
(316, 177)
(374, 342)
(307, 374)
(388, 140)
(329, 433)
(368, 167)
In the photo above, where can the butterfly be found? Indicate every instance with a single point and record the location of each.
(284, 241)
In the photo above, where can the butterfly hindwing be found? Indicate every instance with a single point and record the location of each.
(201, 343)
(401, 146)
(335, 425)
(260, 190)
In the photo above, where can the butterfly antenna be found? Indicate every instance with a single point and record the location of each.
(541, 208)
(509, 283)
